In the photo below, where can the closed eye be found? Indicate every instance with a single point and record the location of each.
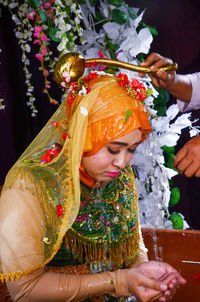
(131, 150)
(113, 151)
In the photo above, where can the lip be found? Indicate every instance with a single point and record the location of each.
(112, 174)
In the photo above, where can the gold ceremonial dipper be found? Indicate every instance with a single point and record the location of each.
(75, 63)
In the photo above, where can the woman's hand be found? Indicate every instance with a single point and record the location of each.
(164, 273)
(144, 288)
(161, 78)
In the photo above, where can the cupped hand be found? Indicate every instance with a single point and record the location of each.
(187, 160)
(144, 288)
(161, 78)
(164, 273)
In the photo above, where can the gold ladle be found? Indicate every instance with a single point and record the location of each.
(74, 63)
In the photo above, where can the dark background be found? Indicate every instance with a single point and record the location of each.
(178, 26)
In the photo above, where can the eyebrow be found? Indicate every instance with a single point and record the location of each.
(123, 144)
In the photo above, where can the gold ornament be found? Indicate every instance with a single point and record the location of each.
(74, 63)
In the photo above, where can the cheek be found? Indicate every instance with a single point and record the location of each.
(99, 161)
(129, 157)
(96, 163)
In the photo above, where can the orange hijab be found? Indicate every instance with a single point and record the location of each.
(107, 118)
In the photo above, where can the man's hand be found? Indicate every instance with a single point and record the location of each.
(187, 160)
(161, 78)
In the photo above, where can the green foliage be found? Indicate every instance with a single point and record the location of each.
(116, 3)
(81, 2)
(51, 33)
(93, 2)
(119, 17)
(149, 92)
(161, 101)
(177, 220)
(42, 15)
(34, 4)
(140, 57)
(132, 13)
(99, 16)
(169, 161)
(168, 149)
(112, 48)
(152, 29)
(174, 197)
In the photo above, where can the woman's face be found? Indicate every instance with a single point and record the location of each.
(112, 158)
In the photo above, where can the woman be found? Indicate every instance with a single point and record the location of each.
(85, 151)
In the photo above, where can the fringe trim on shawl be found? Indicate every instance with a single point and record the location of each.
(119, 251)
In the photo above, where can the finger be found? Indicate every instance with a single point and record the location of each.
(197, 174)
(161, 63)
(167, 293)
(191, 169)
(152, 59)
(180, 155)
(184, 164)
(141, 74)
(171, 277)
(153, 284)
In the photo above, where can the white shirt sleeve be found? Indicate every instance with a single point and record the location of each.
(194, 103)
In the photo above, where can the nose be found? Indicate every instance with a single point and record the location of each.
(121, 160)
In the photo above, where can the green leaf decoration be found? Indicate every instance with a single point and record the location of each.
(34, 4)
(169, 161)
(81, 2)
(140, 57)
(177, 220)
(99, 16)
(42, 15)
(161, 101)
(153, 30)
(119, 17)
(168, 149)
(132, 13)
(171, 182)
(52, 32)
(149, 92)
(112, 48)
(93, 2)
(116, 3)
(175, 196)
(128, 113)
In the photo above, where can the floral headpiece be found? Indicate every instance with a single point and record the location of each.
(133, 88)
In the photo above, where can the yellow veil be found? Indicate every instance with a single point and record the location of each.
(40, 201)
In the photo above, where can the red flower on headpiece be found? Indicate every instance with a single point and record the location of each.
(123, 80)
(93, 64)
(91, 75)
(60, 211)
(135, 84)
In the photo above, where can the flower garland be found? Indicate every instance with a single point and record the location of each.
(110, 29)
